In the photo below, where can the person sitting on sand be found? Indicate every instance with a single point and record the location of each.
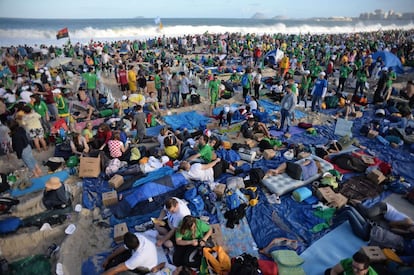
(191, 234)
(79, 145)
(153, 104)
(203, 152)
(55, 195)
(174, 211)
(251, 127)
(138, 254)
(358, 265)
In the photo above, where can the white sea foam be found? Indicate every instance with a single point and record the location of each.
(32, 36)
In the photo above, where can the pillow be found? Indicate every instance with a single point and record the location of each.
(287, 258)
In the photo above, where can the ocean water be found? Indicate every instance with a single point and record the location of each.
(43, 31)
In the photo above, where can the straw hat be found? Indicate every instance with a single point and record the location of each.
(53, 183)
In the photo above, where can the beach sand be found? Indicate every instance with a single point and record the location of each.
(90, 238)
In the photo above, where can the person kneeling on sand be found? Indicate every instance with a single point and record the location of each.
(138, 254)
(174, 211)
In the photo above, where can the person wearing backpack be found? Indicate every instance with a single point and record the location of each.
(191, 234)
(246, 82)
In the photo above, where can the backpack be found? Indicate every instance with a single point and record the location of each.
(256, 176)
(6, 204)
(245, 80)
(245, 264)
(10, 224)
(220, 263)
(331, 101)
(232, 201)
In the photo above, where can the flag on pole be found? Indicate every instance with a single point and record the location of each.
(158, 22)
(62, 33)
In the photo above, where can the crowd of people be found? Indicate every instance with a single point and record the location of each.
(39, 104)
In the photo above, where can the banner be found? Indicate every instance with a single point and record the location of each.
(62, 33)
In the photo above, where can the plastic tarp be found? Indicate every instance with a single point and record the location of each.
(271, 108)
(157, 174)
(274, 56)
(190, 120)
(39, 183)
(390, 60)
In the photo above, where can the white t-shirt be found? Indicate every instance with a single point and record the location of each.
(145, 255)
(393, 215)
(253, 105)
(160, 139)
(197, 173)
(174, 219)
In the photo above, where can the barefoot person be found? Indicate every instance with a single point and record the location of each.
(278, 242)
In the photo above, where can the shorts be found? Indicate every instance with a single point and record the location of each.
(37, 133)
(124, 87)
(28, 159)
(214, 98)
(184, 96)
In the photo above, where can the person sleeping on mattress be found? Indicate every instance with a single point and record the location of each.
(298, 171)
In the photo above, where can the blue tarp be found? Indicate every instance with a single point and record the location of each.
(271, 108)
(390, 61)
(190, 120)
(157, 174)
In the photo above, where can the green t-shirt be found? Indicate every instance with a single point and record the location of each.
(361, 76)
(392, 76)
(41, 108)
(206, 152)
(157, 82)
(201, 229)
(29, 64)
(347, 266)
(344, 71)
(214, 85)
(91, 80)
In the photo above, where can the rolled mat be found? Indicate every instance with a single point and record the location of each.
(301, 194)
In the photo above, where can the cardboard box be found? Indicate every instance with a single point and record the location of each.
(217, 235)
(376, 176)
(358, 114)
(89, 167)
(333, 199)
(372, 134)
(119, 232)
(269, 154)
(251, 143)
(109, 198)
(219, 190)
(151, 86)
(374, 253)
(116, 181)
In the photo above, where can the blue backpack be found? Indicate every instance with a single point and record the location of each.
(10, 224)
(232, 201)
(245, 80)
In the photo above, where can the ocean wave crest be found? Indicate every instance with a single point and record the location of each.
(35, 36)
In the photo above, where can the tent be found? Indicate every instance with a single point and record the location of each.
(273, 57)
(390, 61)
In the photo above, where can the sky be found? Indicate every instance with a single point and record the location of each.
(195, 8)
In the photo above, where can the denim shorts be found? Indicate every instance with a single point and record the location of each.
(28, 159)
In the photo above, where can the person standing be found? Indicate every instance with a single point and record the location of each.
(257, 82)
(21, 146)
(362, 76)
(344, 72)
(184, 88)
(91, 80)
(319, 91)
(132, 80)
(122, 79)
(304, 88)
(213, 92)
(158, 85)
(174, 87)
(288, 105)
(246, 82)
(139, 123)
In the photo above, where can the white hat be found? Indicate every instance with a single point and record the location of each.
(164, 159)
(154, 162)
(124, 97)
(307, 72)
(380, 112)
(385, 69)
(322, 73)
(56, 91)
(41, 71)
(288, 155)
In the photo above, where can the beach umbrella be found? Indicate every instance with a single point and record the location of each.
(58, 61)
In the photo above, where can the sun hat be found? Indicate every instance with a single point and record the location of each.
(56, 91)
(322, 73)
(53, 183)
(385, 69)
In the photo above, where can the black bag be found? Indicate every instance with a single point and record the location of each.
(4, 185)
(6, 204)
(195, 99)
(294, 170)
(256, 176)
(245, 264)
